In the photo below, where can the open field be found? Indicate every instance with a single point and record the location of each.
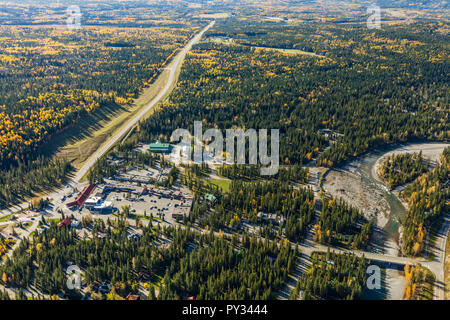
(291, 51)
(281, 50)
(223, 184)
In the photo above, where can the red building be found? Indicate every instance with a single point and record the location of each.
(65, 223)
(82, 197)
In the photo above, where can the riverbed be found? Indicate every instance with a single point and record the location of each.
(358, 183)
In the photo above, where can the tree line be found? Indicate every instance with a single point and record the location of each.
(332, 276)
(399, 169)
(427, 201)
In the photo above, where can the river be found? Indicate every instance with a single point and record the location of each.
(361, 172)
(397, 210)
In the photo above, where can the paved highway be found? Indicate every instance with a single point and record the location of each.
(57, 194)
(172, 78)
(436, 266)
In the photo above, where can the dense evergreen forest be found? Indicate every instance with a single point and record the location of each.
(294, 173)
(206, 266)
(399, 169)
(27, 179)
(250, 269)
(314, 82)
(340, 223)
(332, 276)
(428, 198)
(275, 206)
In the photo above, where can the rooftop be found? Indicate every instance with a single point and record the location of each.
(159, 147)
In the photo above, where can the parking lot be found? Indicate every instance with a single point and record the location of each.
(143, 175)
(144, 200)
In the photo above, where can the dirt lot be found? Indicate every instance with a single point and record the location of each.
(144, 176)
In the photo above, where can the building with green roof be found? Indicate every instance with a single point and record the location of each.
(211, 198)
(159, 147)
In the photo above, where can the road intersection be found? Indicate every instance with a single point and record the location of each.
(307, 247)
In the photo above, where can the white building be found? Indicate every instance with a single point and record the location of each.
(92, 202)
(103, 206)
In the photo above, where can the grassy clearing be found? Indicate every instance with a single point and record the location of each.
(223, 184)
(291, 51)
(5, 218)
(219, 15)
(284, 51)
